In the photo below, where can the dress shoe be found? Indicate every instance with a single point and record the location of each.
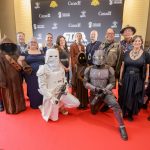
(130, 118)
(1, 106)
(123, 133)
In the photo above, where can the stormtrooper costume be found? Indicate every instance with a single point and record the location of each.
(51, 79)
(100, 79)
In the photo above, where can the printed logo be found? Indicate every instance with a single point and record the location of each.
(114, 24)
(77, 25)
(55, 26)
(37, 5)
(53, 4)
(76, 3)
(111, 2)
(108, 13)
(39, 36)
(94, 24)
(70, 37)
(40, 26)
(83, 14)
(95, 3)
(45, 16)
(63, 15)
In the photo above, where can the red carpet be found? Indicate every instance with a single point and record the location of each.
(80, 130)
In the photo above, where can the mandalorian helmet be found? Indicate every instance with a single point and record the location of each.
(52, 57)
(81, 58)
(99, 58)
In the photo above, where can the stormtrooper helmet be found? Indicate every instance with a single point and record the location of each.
(99, 58)
(52, 57)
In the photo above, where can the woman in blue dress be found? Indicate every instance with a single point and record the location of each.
(34, 57)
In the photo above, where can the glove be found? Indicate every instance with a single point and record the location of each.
(98, 90)
(106, 91)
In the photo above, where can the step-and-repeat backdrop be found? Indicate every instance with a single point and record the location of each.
(66, 17)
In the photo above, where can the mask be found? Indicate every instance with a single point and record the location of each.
(52, 57)
(99, 58)
(81, 58)
(8, 47)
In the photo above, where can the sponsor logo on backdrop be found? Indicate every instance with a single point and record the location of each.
(63, 15)
(55, 26)
(37, 5)
(114, 24)
(95, 3)
(107, 13)
(70, 37)
(117, 35)
(83, 14)
(74, 3)
(45, 16)
(53, 4)
(38, 26)
(39, 36)
(111, 2)
(94, 24)
(76, 25)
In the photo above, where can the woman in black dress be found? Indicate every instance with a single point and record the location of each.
(133, 79)
(64, 56)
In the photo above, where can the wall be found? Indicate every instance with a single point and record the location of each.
(7, 19)
(23, 17)
(136, 14)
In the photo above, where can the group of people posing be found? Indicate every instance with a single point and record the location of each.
(96, 67)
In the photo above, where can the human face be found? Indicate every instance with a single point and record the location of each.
(49, 39)
(33, 44)
(137, 43)
(78, 37)
(110, 35)
(62, 42)
(93, 36)
(128, 33)
(21, 38)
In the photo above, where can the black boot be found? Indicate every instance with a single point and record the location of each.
(1, 106)
(104, 108)
(123, 133)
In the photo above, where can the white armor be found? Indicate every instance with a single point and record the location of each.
(51, 77)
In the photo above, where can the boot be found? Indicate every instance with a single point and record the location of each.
(123, 133)
(104, 108)
(1, 106)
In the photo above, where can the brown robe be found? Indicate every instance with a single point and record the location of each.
(75, 49)
(81, 91)
(11, 86)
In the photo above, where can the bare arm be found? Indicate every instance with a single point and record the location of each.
(121, 71)
(20, 59)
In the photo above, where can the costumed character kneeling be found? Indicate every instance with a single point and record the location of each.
(52, 85)
(100, 79)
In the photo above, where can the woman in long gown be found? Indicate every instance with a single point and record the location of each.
(133, 79)
(34, 57)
